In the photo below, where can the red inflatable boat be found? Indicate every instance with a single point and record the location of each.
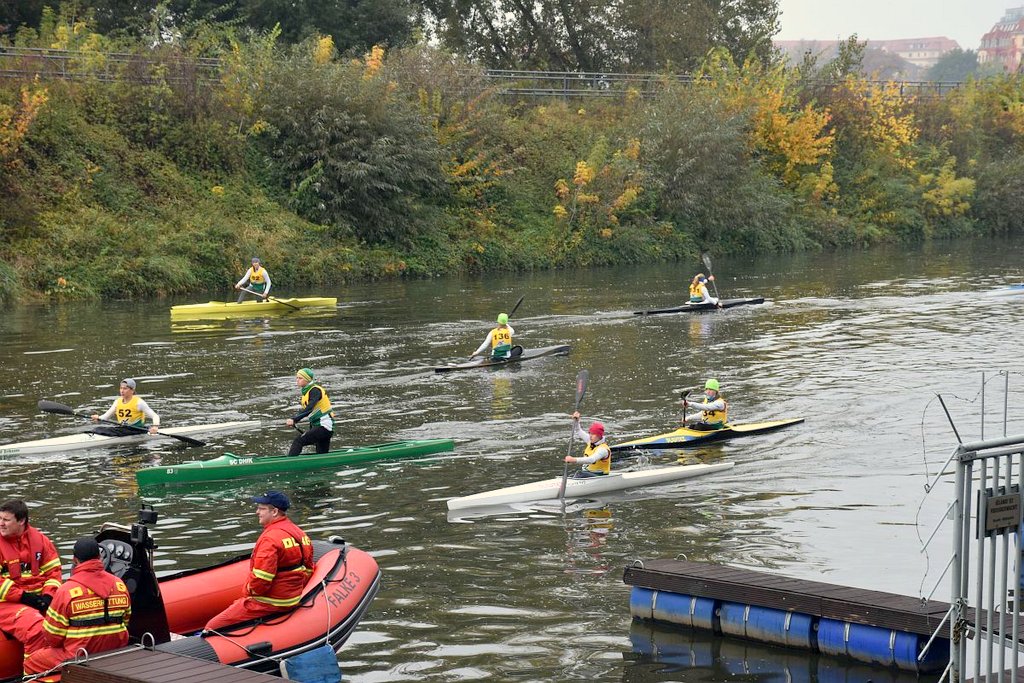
(343, 584)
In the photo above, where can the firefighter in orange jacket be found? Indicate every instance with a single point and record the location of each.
(89, 612)
(281, 564)
(29, 575)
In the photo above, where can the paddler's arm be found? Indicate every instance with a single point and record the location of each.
(266, 290)
(153, 417)
(484, 346)
(245, 279)
(107, 415)
(314, 397)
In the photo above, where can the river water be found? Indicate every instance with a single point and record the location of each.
(857, 343)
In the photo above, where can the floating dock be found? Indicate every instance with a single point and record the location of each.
(868, 626)
(140, 665)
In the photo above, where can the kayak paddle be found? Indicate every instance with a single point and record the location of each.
(581, 389)
(707, 264)
(514, 308)
(272, 298)
(61, 409)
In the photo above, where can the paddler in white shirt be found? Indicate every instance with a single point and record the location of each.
(130, 410)
(258, 280)
(597, 457)
(714, 411)
(499, 339)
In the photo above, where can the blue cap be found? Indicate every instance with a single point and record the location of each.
(275, 498)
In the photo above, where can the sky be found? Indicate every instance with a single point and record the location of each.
(965, 21)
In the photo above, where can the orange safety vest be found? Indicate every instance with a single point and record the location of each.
(28, 563)
(90, 611)
(281, 564)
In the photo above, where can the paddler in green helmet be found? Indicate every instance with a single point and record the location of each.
(499, 339)
(714, 411)
(316, 406)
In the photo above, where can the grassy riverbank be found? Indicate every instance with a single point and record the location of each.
(408, 165)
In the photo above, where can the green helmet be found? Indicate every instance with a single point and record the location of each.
(711, 384)
(503, 318)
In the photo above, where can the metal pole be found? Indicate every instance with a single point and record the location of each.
(956, 581)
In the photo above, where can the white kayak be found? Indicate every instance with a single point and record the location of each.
(81, 440)
(547, 489)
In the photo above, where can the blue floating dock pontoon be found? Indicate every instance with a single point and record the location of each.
(810, 615)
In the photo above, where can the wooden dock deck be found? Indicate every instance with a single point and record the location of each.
(151, 666)
(747, 586)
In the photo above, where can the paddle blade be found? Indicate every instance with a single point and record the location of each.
(707, 261)
(581, 386)
(51, 407)
(514, 308)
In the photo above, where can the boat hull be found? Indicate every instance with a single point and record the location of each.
(528, 354)
(82, 440)
(691, 438)
(547, 489)
(343, 585)
(231, 309)
(698, 308)
(229, 466)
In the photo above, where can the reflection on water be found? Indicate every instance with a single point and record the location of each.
(690, 655)
(856, 343)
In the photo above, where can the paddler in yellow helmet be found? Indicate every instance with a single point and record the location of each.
(130, 410)
(258, 280)
(499, 339)
(316, 406)
(714, 411)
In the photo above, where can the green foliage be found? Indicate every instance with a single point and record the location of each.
(347, 153)
(954, 66)
(999, 203)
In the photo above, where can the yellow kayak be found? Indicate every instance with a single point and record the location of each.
(221, 309)
(689, 438)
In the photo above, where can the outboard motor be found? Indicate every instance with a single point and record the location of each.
(127, 553)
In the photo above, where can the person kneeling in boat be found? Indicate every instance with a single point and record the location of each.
(281, 564)
(258, 280)
(317, 407)
(499, 339)
(699, 290)
(130, 410)
(597, 457)
(90, 612)
(29, 575)
(714, 411)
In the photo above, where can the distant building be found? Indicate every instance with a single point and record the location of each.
(918, 53)
(1003, 46)
(923, 53)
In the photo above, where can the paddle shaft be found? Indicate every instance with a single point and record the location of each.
(61, 409)
(707, 263)
(581, 389)
(272, 298)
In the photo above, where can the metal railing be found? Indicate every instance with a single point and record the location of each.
(986, 516)
(27, 63)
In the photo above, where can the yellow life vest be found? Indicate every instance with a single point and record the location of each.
(602, 466)
(500, 336)
(716, 418)
(695, 294)
(129, 413)
(258, 276)
(322, 407)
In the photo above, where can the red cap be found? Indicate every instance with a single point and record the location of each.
(596, 428)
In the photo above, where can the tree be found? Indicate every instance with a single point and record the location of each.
(602, 35)
(954, 66)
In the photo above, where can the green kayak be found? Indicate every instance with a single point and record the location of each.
(230, 466)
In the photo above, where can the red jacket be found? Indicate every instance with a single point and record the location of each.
(281, 564)
(28, 562)
(91, 611)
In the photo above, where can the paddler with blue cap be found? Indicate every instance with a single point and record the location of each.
(130, 411)
(316, 407)
(714, 411)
